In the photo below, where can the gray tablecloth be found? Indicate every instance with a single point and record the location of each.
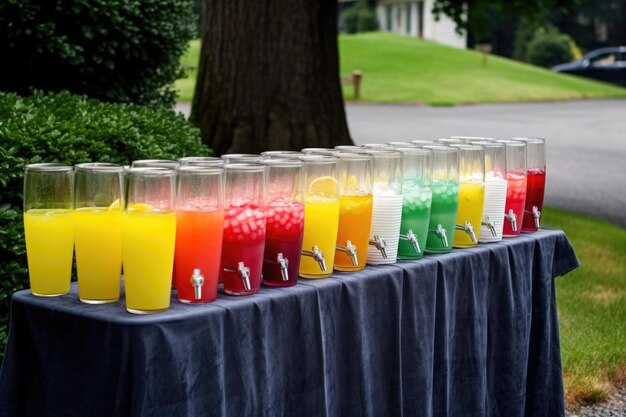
(470, 333)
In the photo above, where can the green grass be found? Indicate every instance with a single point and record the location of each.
(402, 69)
(189, 61)
(592, 307)
(408, 70)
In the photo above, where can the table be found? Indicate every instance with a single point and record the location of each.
(470, 333)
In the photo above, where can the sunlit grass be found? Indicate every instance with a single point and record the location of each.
(189, 61)
(409, 70)
(591, 304)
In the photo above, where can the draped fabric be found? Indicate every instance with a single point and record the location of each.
(470, 333)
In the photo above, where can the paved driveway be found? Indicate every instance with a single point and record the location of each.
(586, 142)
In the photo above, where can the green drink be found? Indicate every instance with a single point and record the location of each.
(442, 216)
(415, 218)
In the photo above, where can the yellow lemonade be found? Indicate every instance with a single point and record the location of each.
(49, 248)
(321, 218)
(148, 240)
(471, 199)
(98, 234)
(355, 218)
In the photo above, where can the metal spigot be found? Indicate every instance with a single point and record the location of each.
(350, 250)
(467, 228)
(441, 232)
(197, 280)
(316, 254)
(412, 239)
(491, 225)
(380, 244)
(536, 216)
(284, 263)
(512, 217)
(244, 273)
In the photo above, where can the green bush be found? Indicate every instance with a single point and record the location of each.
(523, 36)
(360, 18)
(549, 48)
(71, 129)
(367, 21)
(351, 19)
(116, 51)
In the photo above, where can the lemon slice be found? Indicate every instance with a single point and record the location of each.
(324, 186)
(140, 207)
(115, 205)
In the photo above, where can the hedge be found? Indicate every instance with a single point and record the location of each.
(71, 129)
(112, 50)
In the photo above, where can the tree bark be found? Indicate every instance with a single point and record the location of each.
(268, 77)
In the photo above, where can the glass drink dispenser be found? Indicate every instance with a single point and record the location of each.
(285, 222)
(417, 196)
(536, 183)
(515, 188)
(495, 191)
(321, 214)
(355, 210)
(445, 189)
(149, 239)
(244, 228)
(201, 160)
(199, 230)
(471, 195)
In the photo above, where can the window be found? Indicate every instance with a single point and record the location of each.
(408, 18)
(420, 19)
(604, 60)
(389, 17)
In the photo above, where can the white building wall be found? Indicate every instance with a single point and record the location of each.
(442, 31)
(382, 18)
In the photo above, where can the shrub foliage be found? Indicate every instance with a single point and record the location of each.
(117, 51)
(360, 18)
(71, 129)
(549, 48)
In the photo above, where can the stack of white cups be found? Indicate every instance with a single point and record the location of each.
(495, 190)
(386, 218)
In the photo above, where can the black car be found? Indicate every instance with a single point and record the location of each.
(606, 64)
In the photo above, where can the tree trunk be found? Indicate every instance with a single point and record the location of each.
(269, 76)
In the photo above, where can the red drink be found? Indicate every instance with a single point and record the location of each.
(534, 198)
(285, 227)
(514, 206)
(198, 246)
(242, 250)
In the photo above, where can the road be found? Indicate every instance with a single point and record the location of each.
(586, 142)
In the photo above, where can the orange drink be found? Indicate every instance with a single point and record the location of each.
(355, 216)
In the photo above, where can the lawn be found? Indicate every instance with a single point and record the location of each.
(592, 307)
(401, 69)
(189, 61)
